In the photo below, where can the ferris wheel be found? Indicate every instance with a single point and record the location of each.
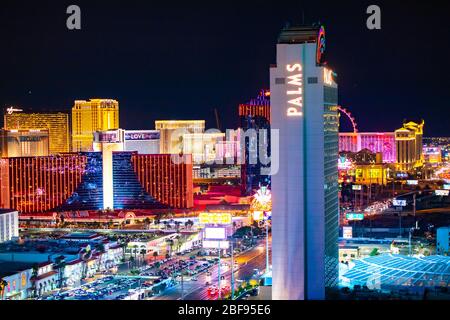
(350, 117)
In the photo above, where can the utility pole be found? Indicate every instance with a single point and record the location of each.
(410, 231)
(414, 208)
(182, 286)
(219, 296)
(267, 245)
(232, 269)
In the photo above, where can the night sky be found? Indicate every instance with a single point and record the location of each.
(180, 60)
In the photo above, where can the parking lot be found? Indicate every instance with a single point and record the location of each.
(109, 288)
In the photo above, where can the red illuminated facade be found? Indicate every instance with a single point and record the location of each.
(73, 182)
(39, 184)
(259, 107)
(167, 181)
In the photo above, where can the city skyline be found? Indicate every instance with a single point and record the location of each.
(226, 69)
(292, 150)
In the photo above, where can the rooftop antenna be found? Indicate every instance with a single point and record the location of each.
(216, 113)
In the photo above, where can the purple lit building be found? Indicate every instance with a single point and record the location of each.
(383, 142)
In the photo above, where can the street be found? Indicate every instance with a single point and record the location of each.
(255, 258)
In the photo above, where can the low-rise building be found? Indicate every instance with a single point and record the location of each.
(443, 240)
(348, 253)
(9, 224)
(17, 277)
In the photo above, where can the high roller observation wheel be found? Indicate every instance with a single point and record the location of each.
(350, 117)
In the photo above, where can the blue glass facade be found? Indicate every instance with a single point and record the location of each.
(89, 194)
(331, 151)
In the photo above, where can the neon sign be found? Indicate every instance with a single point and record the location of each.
(327, 76)
(442, 193)
(10, 110)
(295, 105)
(142, 135)
(320, 46)
(355, 216)
(214, 218)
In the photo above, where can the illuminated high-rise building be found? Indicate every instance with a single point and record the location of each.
(24, 143)
(57, 124)
(254, 116)
(409, 144)
(172, 131)
(304, 110)
(202, 146)
(90, 116)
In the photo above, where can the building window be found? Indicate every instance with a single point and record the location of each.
(313, 80)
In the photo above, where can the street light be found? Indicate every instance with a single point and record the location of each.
(262, 202)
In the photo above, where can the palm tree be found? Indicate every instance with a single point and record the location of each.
(3, 285)
(170, 243)
(135, 251)
(60, 265)
(123, 245)
(33, 279)
(147, 222)
(143, 253)
(155, 254)
(178, 242)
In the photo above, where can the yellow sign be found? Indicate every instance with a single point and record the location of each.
(214, 218)
(258, 215)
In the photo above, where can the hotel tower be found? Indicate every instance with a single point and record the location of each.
(303, 95)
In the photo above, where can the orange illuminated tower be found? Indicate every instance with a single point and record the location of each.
(90, 116)
(57, 124)
(409, 145)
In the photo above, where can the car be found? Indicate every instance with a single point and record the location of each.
(212, 291)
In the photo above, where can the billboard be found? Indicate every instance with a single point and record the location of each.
(354, 216)
(107, 136)
(215, 233)
(399, 203)
(347, 232)
(141, 135)
(258, 215)
(214, 218)
(412, 182)
(214, 244)
(446, 187)
(356, 187)
(443, 193)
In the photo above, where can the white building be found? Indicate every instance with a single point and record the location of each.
(17, 277)
(303, 96)
(443, 240)
(9, 224)
(142, 141)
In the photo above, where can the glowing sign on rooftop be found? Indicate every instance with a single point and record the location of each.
(327, 76)
(320, 51)
(214, 218)
(295, 82)
(354, 216)
(11, 110)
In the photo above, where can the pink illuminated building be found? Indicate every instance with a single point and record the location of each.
(383, 142)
